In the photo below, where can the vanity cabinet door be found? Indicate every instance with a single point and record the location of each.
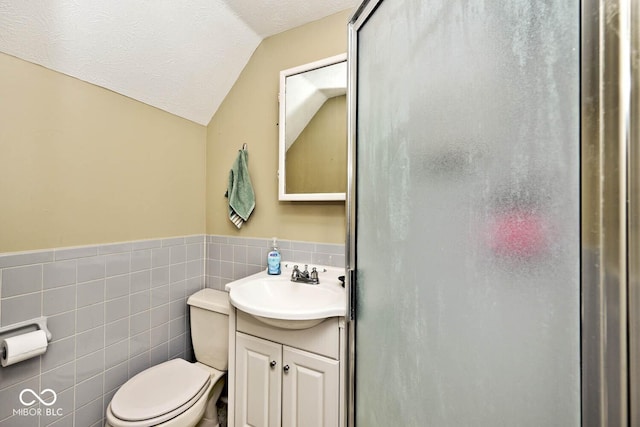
(258, 382)
(310, 389)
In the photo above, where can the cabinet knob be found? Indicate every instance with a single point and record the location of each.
(286, 368)
(273, 363)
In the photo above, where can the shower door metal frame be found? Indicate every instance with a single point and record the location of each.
(610, 263)
(633, 191)
(610, 210)
(364, 10)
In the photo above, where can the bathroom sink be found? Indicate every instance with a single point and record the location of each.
(279, 302)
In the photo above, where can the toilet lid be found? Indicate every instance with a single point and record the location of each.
(158, 390)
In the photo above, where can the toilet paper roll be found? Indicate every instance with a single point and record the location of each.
(22, 347)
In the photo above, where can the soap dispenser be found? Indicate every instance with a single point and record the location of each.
(273, 259)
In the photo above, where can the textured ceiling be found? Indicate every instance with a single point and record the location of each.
(180, 56)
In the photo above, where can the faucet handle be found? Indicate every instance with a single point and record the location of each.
(295, 273)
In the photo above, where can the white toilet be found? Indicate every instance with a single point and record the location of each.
(179, 393)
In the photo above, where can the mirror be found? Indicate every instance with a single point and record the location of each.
(313, 131)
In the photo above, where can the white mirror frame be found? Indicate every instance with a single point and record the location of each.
(282, 194)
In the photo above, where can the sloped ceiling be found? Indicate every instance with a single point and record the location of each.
(180, 56)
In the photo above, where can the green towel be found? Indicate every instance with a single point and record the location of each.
(242, 200)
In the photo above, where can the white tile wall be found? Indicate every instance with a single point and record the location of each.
(232, 258)
(115, 310)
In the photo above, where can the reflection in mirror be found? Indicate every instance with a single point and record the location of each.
(313, 131)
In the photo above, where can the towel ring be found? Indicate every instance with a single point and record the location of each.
(244, 146)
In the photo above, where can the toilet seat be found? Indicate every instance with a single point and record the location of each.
(159, 394)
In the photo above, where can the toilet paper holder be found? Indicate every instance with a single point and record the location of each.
(39, 323)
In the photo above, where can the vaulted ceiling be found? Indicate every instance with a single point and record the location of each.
(180, 56)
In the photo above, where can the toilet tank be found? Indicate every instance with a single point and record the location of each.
(209, 310)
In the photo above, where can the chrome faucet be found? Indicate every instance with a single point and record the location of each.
(304, 276)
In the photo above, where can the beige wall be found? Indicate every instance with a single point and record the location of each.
(316, 162)
(249, 114)
(82, 165)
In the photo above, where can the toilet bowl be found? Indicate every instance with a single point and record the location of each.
(178, 393)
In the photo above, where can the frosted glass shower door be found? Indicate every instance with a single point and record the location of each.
(467, 226)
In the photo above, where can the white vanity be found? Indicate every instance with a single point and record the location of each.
(287, 350)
